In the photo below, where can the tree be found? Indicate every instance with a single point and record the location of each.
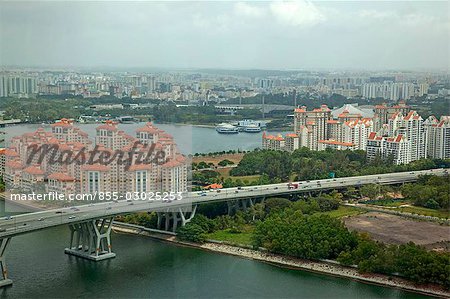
(276, 204)
(191, 232)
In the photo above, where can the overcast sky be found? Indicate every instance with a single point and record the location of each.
(269, 34)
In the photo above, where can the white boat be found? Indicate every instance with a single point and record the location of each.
(225, 128)
(252, 129)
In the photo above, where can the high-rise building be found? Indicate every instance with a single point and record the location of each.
(316, 122)
(396, 149)
(437, 137)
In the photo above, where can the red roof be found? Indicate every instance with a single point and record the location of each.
(213, 186)
(14, 164)
(64, 122)
(34, 170)
(10, 153)
(109, 126)
(142, 166)
(62, 177)
(95, 167)
(335, 142)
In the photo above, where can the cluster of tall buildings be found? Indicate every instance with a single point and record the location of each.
(114, 162)
(18, 85)
(389, 132)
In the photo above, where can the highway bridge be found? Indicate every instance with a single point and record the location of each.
(90, 224)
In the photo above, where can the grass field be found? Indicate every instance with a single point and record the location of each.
(424, 211)
(226, 235)
(343, 211)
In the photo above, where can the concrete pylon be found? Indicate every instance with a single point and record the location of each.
(172, 219)
(4, 280)
(91, 239)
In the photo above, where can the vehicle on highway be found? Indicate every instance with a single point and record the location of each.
(41, 219)
(276, 188)
(239, 188)
(218, 190)
(236, 191)
(203, 194)
(108, 208)
(24, 224)
(292, 186)
(59, 212)
(8, 217)
(72, 217)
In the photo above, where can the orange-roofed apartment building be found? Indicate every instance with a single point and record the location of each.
(411, 127)
(315, 121)
(437, 137)
(395, 148)
(356, 132)
(153, 165)
(271, 142)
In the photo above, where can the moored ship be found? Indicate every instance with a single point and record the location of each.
(225, 128)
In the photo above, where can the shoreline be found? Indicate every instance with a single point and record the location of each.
(320, 267)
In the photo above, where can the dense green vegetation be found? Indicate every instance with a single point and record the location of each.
(408, 260)
(430, 192)
(312, 237)
(304, 164)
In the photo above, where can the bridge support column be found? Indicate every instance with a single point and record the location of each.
(239, 204)
(91, 239)
(4, 280)
(172, 219)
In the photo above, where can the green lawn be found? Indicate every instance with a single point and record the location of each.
(343, 211)
(424, 211)
(226, 235)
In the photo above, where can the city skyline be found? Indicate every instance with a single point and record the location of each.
(226, 35)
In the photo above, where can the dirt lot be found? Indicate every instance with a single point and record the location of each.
(394, 229)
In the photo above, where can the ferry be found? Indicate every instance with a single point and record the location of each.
(252, 129)
(225, 128)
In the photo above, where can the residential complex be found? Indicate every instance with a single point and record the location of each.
(387, 132)
(114, 162)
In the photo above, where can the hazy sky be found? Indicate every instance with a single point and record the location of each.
(211, 34)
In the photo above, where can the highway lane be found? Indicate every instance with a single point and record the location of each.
(38, 220)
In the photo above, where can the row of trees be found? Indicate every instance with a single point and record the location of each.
(304, 164)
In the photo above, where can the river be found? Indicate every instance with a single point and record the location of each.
(190, 139)
(145, 267)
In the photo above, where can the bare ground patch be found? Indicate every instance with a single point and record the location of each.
(394, 229)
